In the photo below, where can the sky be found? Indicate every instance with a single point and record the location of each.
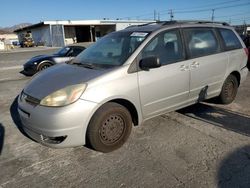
(33, 11)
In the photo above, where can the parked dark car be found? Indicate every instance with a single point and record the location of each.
(246, 40)
(42, 62)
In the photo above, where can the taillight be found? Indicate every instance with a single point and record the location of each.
(246, 50)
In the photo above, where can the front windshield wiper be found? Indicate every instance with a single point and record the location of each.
(85, 65)
(92, 66)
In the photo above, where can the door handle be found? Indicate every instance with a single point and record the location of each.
(195, 64)
(184, 67)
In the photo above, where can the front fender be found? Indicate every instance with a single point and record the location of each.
(136, 104)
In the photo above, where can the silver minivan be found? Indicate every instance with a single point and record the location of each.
(128, 77)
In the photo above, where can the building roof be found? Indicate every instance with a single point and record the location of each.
(82, 22)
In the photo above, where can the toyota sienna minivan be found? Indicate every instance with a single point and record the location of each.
(128, 77)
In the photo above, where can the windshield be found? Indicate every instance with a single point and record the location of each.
(111, 50)
(63, 51)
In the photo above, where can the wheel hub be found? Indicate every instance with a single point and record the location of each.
(112, 129)
(44, 67)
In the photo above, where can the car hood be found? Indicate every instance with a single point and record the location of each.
(59, 77)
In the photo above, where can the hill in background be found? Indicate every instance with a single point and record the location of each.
(7, 30)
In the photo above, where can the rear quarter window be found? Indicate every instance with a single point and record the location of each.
(230, 40)
(201, 42)
(76, 51)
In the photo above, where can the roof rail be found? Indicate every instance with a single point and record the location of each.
(140, 25)
(163, 23)
(194, 22)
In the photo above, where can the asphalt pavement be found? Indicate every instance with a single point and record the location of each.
(205, 145)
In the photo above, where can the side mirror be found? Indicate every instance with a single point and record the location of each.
(149, 63)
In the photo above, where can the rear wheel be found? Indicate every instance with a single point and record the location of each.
(109, 128)
(229, 90)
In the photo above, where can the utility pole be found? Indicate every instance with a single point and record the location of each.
(171, 14)
(155, 15)
(159, 18)
(212, 15)
(245, 27)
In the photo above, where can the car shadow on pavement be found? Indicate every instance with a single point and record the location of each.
(16, 118)
(2, 132)
(226, 119)
(234, 170)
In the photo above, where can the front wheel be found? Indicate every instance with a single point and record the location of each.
(109, 127)
(44, 66)
(229, 90)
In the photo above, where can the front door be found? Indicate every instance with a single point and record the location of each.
(167, 87)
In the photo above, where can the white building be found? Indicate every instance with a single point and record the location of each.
(12, 37)
(2, 47)
(61, 33)
(7, 40)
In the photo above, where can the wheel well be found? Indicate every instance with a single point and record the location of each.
(43, 62)
(237, 75)
(131, 108)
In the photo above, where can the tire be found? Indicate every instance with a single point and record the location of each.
(109, 127)
(44, 66)
(229, 90)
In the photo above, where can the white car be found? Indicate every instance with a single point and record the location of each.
(128, 77)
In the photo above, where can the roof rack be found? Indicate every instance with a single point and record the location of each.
(194, 22)
(163, 23)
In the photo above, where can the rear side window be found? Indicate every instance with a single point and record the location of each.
(201, 41)
(231, 41)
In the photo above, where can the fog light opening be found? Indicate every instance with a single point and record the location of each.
(53, 140)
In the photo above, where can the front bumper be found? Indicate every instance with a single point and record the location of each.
(29, 70)
(57, 127)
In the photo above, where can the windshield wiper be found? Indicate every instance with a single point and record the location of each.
(85, 65)
(92, 66)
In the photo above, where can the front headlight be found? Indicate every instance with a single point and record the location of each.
(64, 96)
